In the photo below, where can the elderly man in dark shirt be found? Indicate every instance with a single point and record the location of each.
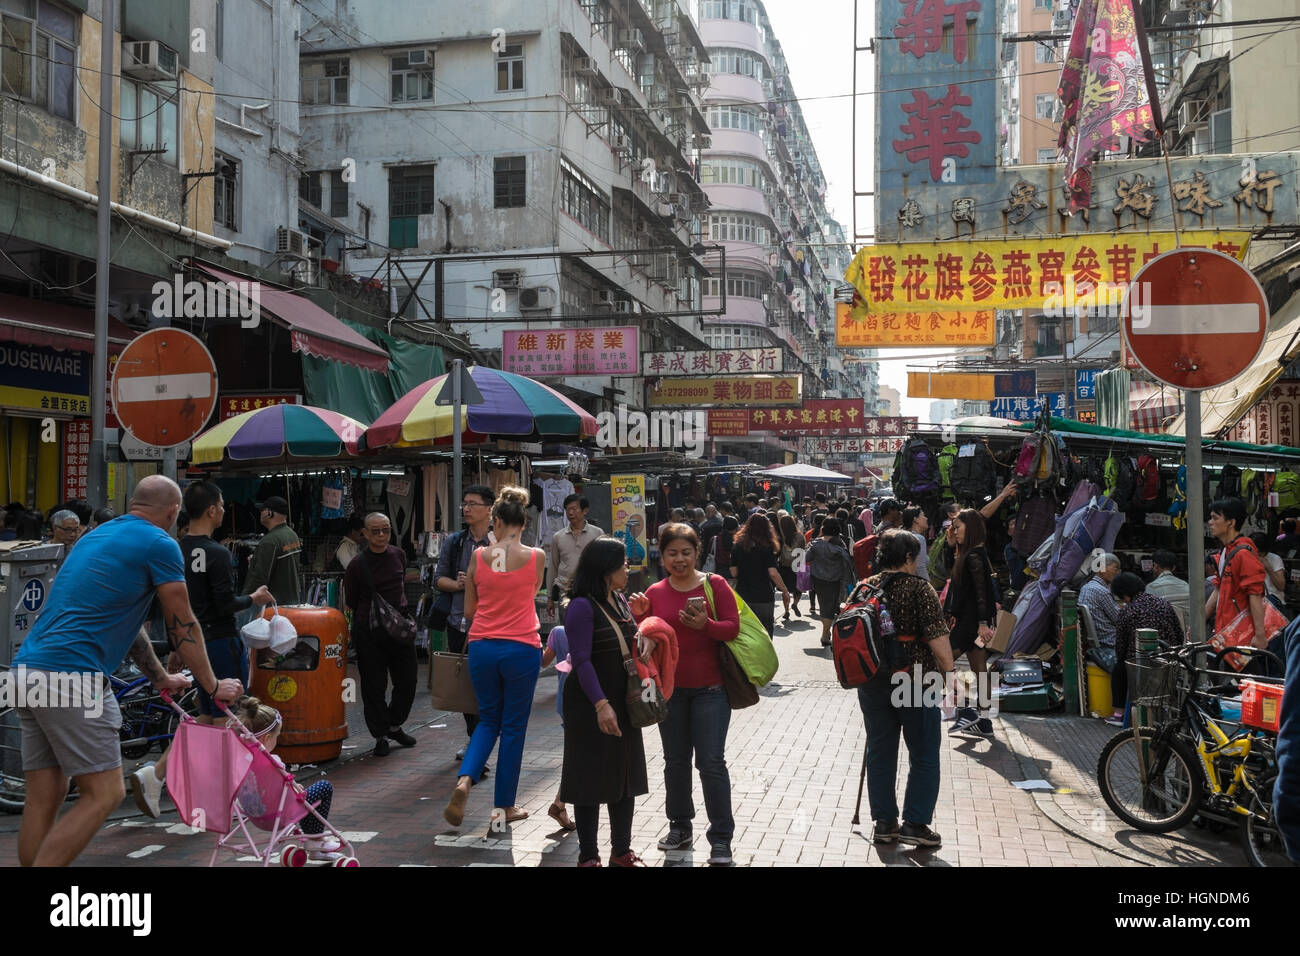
(381, 568)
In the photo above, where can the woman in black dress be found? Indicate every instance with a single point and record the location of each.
(972, 607)
(604, 757)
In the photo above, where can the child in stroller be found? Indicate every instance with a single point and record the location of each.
(264, 723)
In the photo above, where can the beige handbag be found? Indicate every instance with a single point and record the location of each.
(452, 688)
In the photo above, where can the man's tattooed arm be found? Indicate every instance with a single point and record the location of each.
(182, 632)
(142, 654)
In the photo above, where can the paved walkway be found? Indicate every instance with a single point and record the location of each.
(794, 761)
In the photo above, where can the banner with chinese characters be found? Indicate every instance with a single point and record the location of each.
(1015, 384)
(856, 328)
(599, 351)
(1053, 275)
(975, 386)
(722, 392)
(714, 362)
(818, 416)
(228, 406)
(44, 379)
(852, 446)
(627, 513)
(1085, 384)
(76, 455)
(1274, 419)
(936, 111)
(728, 422)
(1027, 409)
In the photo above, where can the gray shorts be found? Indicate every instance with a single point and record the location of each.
(64, 734)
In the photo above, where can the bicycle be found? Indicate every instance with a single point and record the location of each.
(1157, 778)
(147, 720)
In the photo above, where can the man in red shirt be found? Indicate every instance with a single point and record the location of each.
(1241, 572)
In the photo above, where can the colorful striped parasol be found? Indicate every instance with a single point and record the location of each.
(279, 433)
(513, 407)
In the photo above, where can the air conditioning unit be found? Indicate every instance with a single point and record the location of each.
(610, 97)
(631, 40)
(675, 199)
(1193, 114)
(585, 66)
(623, 145)
(703, 142)
(507, 278)
(148, 60)
(536, 298)
(418, 57)
(292, 242)
(602, 297)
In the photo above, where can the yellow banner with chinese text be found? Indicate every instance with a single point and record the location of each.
(976, 387)
(1053, 273)
(859, 328)
(727, 392)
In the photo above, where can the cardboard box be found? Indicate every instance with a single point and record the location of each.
(1002, 636)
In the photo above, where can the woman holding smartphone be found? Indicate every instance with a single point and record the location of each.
(702, 611)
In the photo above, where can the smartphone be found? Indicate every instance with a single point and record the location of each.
(695, 602)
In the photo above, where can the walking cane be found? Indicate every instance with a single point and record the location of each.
(857, 808)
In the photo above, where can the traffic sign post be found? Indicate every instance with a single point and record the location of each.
(165, 387)
(1195, 319)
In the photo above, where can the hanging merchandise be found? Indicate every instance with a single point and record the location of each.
(918, 467)
(974, 477)
(551, 520)
(1148, 480)
(947, 455)
(331, 498)
(401, 505)
(1230, 481)
(1287, 487)
(1178, 510)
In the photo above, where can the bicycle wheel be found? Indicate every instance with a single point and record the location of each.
(1172, 792)
(13, 786)
(1261, 838)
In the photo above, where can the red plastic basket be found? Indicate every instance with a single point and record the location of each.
(1261, 705)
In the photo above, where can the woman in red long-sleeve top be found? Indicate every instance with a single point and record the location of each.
(698, 711)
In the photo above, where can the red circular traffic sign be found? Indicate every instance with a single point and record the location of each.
(1195, 318)
(164, 387)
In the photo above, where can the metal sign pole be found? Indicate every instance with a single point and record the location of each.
(454, 503)
(1195, 516)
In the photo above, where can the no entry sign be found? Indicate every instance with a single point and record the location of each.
(164, 387)
(1195, 318)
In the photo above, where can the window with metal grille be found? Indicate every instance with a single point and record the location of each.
(309, 188)
(509, 176)
(225, 209)
(338, 195)
(410, 195)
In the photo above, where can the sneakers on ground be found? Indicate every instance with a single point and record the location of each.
(967, 718)
(826, 641)
(1115, 720)
(918, 834)
(147, 789)
(885, 831)
(325, 850)
(627, 859)
(983, 727)
(381, 747)
(402, 737)
(678, 838)
(720, 854)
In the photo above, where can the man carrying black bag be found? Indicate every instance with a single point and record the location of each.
(380, 570)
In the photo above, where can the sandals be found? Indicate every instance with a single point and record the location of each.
(560, 814)
(514, 814)
(455, 812)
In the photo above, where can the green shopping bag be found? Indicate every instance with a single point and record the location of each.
(752, 648)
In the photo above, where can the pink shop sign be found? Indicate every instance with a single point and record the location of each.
(598, 351)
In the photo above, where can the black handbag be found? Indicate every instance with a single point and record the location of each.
(384, 618)
(646, 704)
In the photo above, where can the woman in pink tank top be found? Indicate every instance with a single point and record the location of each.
(505, 655)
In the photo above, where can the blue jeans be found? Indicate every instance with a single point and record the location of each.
(504, 675)
(921, 731)
(697, 722)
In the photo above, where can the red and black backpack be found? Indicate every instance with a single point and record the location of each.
(861, 650)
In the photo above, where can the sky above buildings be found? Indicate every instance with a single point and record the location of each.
(817, 36)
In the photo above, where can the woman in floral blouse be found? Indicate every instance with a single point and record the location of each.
(1137, 609)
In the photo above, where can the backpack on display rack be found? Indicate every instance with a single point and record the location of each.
(1148, 480)
(1287, 486)
(947, 455)
(1229, 481)
(973, 474)
(863, 641)
(918, 466)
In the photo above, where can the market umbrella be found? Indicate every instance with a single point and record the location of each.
(279, 433)
(805, 473)
(513, 407)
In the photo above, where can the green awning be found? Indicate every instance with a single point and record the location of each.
(363, 394)
(1068, 428)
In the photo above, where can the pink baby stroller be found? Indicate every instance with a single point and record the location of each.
(225, 782)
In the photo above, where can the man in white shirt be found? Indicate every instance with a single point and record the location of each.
(564, 549)
(1167, 585)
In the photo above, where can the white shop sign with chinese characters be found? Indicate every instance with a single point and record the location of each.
(851, 446)
(712, 362)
